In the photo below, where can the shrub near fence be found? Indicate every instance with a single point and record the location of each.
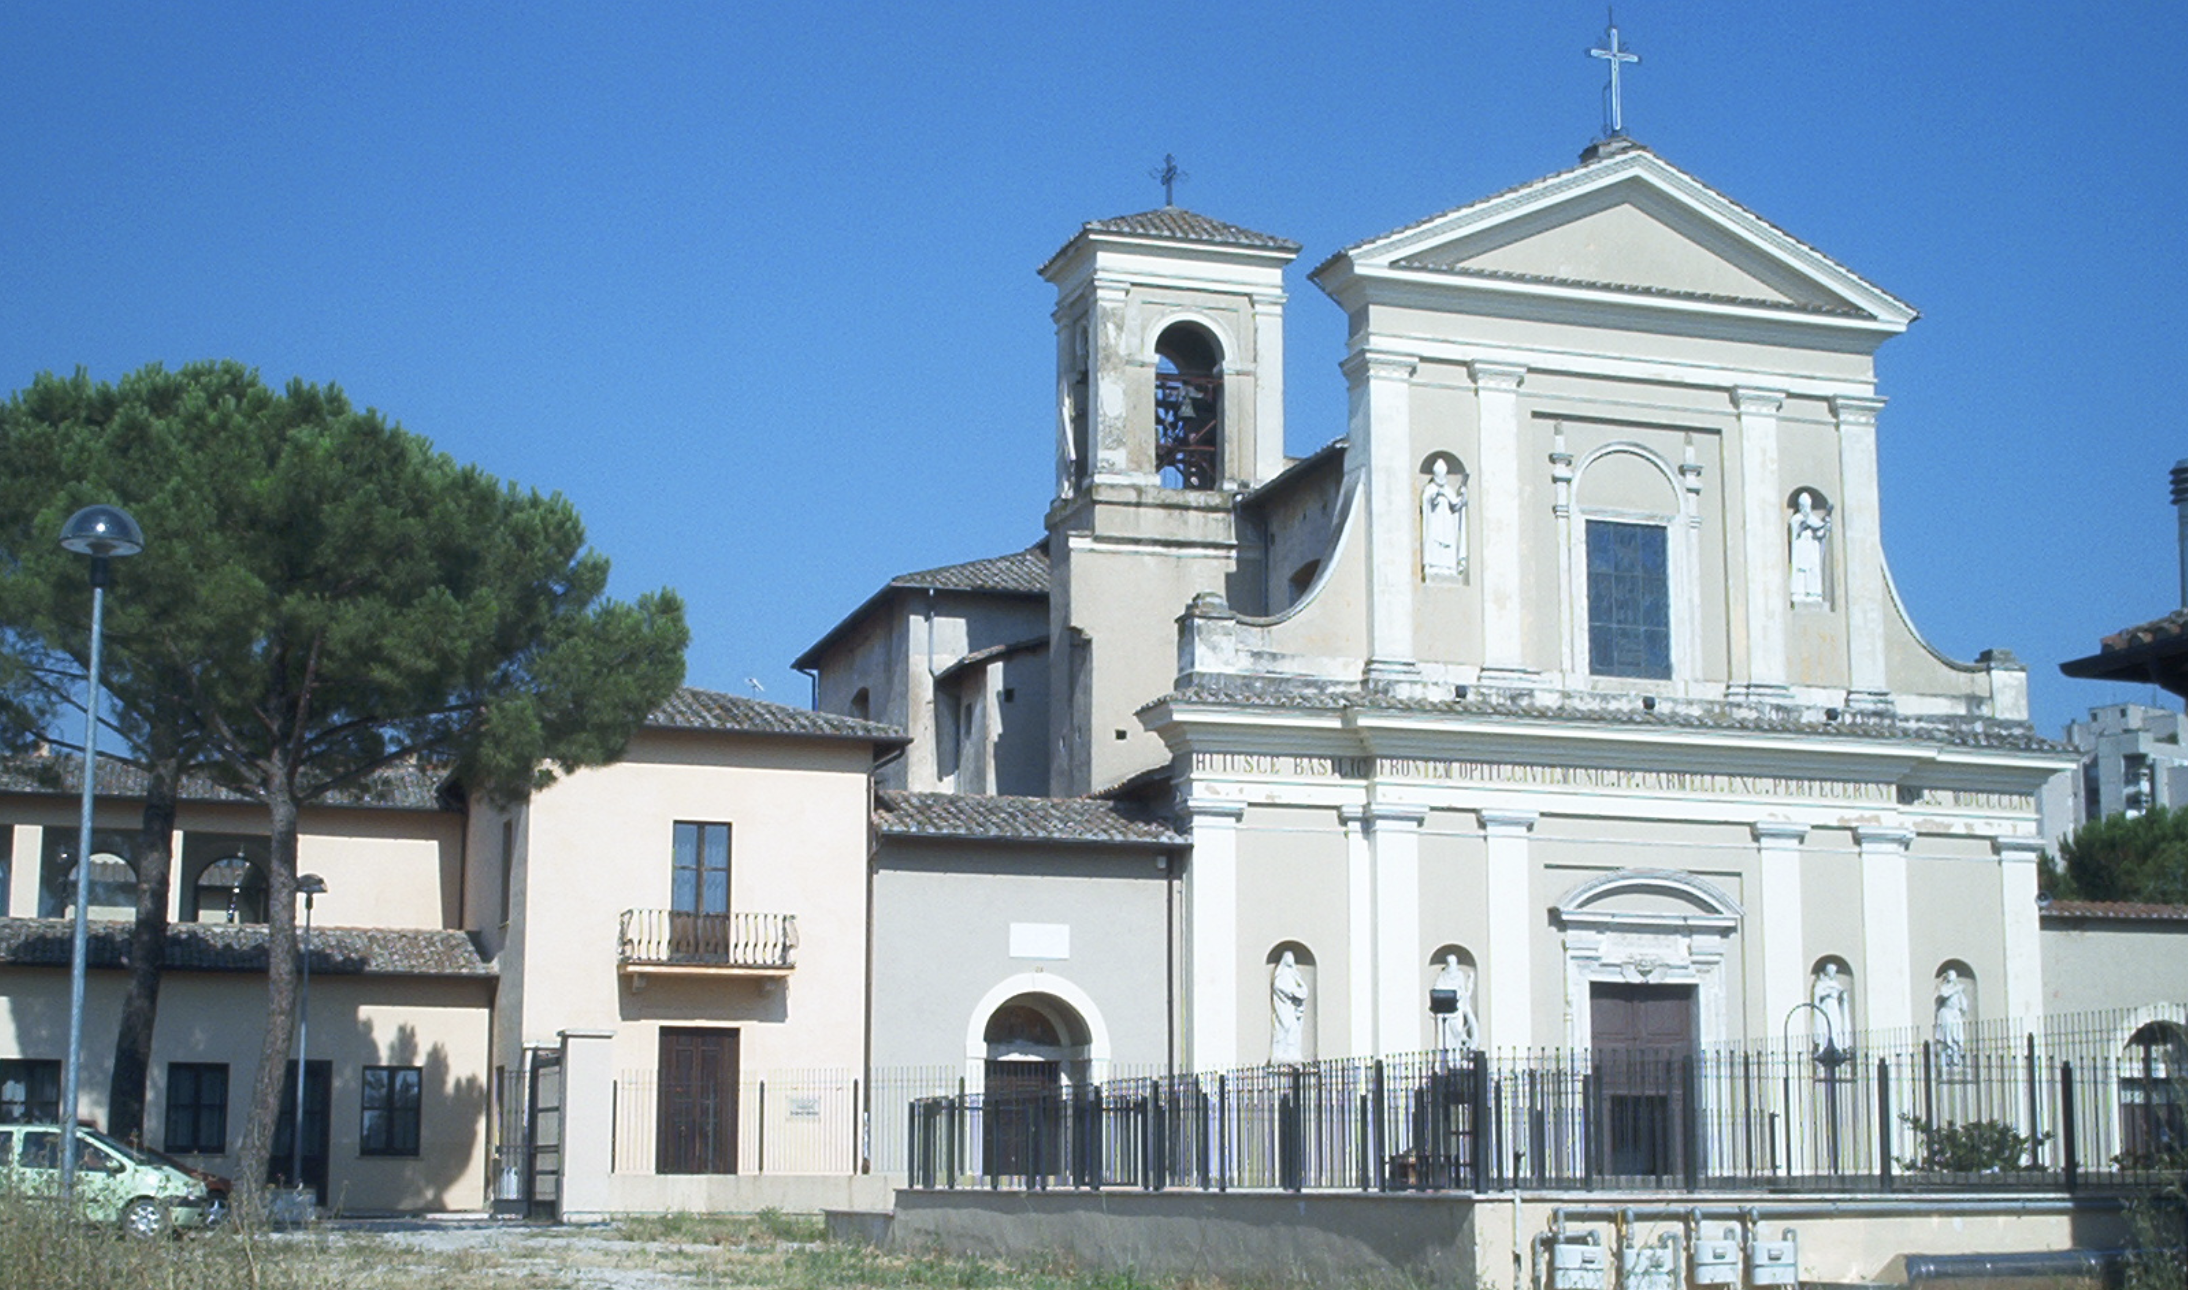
(2077, 1106)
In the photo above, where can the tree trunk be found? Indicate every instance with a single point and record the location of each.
(154, 863)
(256, 1150)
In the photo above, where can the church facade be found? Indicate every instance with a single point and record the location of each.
(1570, 680)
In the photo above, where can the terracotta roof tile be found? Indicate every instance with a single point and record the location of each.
(695, 709)
(1179, 224)
(223, 947)
(404, 787)
(1021, 572)
(1018, 819)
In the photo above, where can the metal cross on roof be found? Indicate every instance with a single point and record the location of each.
(1168, 175)
(1614, 56)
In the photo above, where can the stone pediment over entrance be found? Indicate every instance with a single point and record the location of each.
(1628, 228)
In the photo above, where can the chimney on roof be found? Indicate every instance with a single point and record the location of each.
(2180, 510)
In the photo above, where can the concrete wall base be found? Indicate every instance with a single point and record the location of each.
(1302, 1239)
(745, 1193)
(1455, 1240)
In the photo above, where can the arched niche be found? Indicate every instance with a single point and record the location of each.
(1452, 968)
(1302, 962)
(1834, 1014)
(1661, 927)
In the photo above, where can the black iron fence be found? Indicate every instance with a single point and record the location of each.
(2098, 1102)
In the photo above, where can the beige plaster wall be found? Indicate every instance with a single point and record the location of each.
(384, 866)
(599, 843)
(2092, 964)
(439, 1025)
(1291, 888)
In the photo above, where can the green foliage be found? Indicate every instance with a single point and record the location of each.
(2121, 857)
(2156, 1260)
(1970, 1147)
(321, 593)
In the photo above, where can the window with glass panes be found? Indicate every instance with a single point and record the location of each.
(389, 1099)
(197, 1107)
(1629, 600)
(700, 878)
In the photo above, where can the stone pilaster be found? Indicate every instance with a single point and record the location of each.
(1862, 581)
(2021, 933)
(1764, 547)
(1394, 839)
(1507, 964)
(1496, 495)
(1886, 977)
(1211, 902)
(1785, 956)
(1382, 437)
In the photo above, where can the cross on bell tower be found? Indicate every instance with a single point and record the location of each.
(1614, 55)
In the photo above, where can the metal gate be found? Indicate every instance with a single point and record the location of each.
(543, 1137)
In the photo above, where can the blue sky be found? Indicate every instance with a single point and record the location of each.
(755, 286)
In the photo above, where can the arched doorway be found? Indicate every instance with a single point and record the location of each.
(1036, 1052)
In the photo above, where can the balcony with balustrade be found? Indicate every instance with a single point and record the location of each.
(667, 942)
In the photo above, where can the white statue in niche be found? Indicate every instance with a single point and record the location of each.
(1806, 531)
(1457, 1029)
(1443, 523)
(1953, 1007)
(1287, 1011)
(1829, 994)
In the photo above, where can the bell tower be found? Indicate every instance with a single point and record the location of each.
(1169, 403)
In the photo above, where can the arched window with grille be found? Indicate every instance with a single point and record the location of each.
(1188, 407)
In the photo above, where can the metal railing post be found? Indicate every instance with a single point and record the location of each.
(1884, 1123)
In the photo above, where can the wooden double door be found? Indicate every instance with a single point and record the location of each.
(697, 1126)
(1643, 1040)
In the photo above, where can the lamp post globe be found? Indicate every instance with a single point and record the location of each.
(104, 533)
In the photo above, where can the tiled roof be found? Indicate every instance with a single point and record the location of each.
(1021, 572)
(1302, 693)
(1667, 293)
(2172, 625)
(2124, 910)
(1182, 225)
(223, 947)
(1018, 819)
(693, 709)
(401, 787)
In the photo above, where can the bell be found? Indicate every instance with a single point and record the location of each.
(1186, 406)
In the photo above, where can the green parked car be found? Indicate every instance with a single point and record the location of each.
(114, 1186)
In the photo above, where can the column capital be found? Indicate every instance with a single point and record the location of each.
(1782, 832)
(1856, 409)
(1268, 299)
(1502, 822)
(1496, 376)
(1403, 814)
(1216, 810)
(1379, 364)
(2020, 848)
(1753, 400)
(1352, 815)
(1883, 837)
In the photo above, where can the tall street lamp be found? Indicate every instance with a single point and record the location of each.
(310, 884)
(104, 533)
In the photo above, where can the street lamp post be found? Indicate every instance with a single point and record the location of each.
(104, 533)
(1829, 1057)
(310, 884)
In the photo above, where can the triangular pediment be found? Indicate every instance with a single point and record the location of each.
(1633, 226)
